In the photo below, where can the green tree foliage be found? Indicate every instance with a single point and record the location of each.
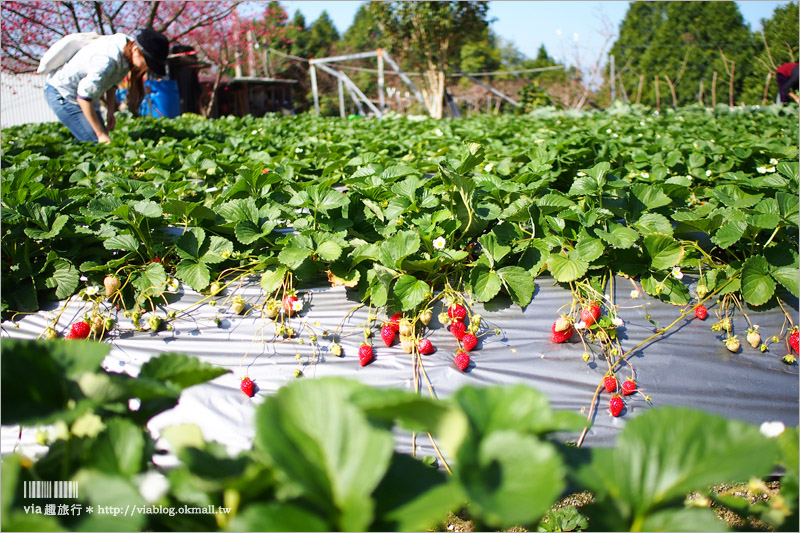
(322, 37)
(778, 44)
(682, 44)
(430, 36)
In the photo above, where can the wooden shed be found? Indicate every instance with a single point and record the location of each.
(254, 96)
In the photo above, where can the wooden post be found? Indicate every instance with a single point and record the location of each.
(730, 89)
(341, 98)
(766, 88)
(658, 97)
(700, 94)
(639, 90)
(313, 72)
(381, 101)
(714, 89)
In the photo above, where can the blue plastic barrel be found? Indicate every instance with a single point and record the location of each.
(162, 100)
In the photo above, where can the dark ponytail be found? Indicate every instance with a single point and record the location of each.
(136, 87)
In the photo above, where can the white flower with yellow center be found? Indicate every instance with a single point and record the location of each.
(708, 173)
(297, 306)
(676, 272)
(439, 243)
(488, 167)
(634, 294)
(761, 170)
(773, 161)
(617, 321)
(772, 429)
(92, 290)
(173, 285)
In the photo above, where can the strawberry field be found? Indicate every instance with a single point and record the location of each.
(624, 263)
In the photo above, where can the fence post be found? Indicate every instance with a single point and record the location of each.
(313, 72)
(341, 97)
(381, 101)
(700, 94)
(730, 90)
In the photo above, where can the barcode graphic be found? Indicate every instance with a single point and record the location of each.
(50, 489)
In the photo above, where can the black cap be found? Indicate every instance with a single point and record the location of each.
(155, 48)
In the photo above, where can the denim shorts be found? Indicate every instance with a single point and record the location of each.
(71, 115)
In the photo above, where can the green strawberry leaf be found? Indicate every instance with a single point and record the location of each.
(54, 230)
(484, 282)
(410, 292)
(664, 251)
(65, 279)
(618, 236)
(757, 284)
(126, 242)
(519, 283)
(194, 273)
(566, 268)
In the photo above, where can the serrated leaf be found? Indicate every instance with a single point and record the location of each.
(180, 370)
(473, 158)
(788, 277)
(293, 257)
(757, 285)
(272, 279)
(219, 249)
(55, 229)
(589, 248)
(618, 236)
(664, 251)
(194, 273)
(247, 232)
(485, 283)
(653, 223)
(565, 269)
(327, 447)
(66, 277)
(127, 242)
(152, 281)
(410, 291)
(519, 282)
(670, 290)
(493, 250)
(651, 196)
(190, 243)
(329, 251)
(407, 188)
(148, 208)
(397, 247)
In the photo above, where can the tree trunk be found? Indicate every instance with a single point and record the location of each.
(639, 90)
(434, 92)
(213, 96)
(730, 86)
(766, 88)
(672, 90)
(700, 94)
(714, 90)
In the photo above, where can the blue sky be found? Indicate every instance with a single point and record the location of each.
(568, 29)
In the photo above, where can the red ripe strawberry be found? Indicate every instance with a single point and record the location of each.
(628, 387)
(794, 338)
(365, 354)
(394, 321)
(590, 314)
(387, 334)
(79, 330)
(425, 347)
(462, 360)
(469, 341)
(615, 405)
(562, 330)
(610, 383)
(248, 387)
(701, 312)
(458, 329)
(457, 312)
(288, 303)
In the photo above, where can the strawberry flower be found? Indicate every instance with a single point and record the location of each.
(772, 429)
(439, 243)
(580, 325)
(617, 322)
(173, 285)
(92, 290)
(488, 167)
(676, 271)
(708, 173)
(297, 305)
(298, 150)
(773, 161)
(635, 294)
(761, 170)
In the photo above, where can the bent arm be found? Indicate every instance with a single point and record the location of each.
(87, 106)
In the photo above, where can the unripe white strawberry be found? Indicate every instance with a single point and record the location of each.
(112, 285)
(50, 334)
(426, 316)
(407, 343)
(754, 337)
(405, 328)
(238, 305)
(732, 344)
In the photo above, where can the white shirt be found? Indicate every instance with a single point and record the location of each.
(93, 70)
